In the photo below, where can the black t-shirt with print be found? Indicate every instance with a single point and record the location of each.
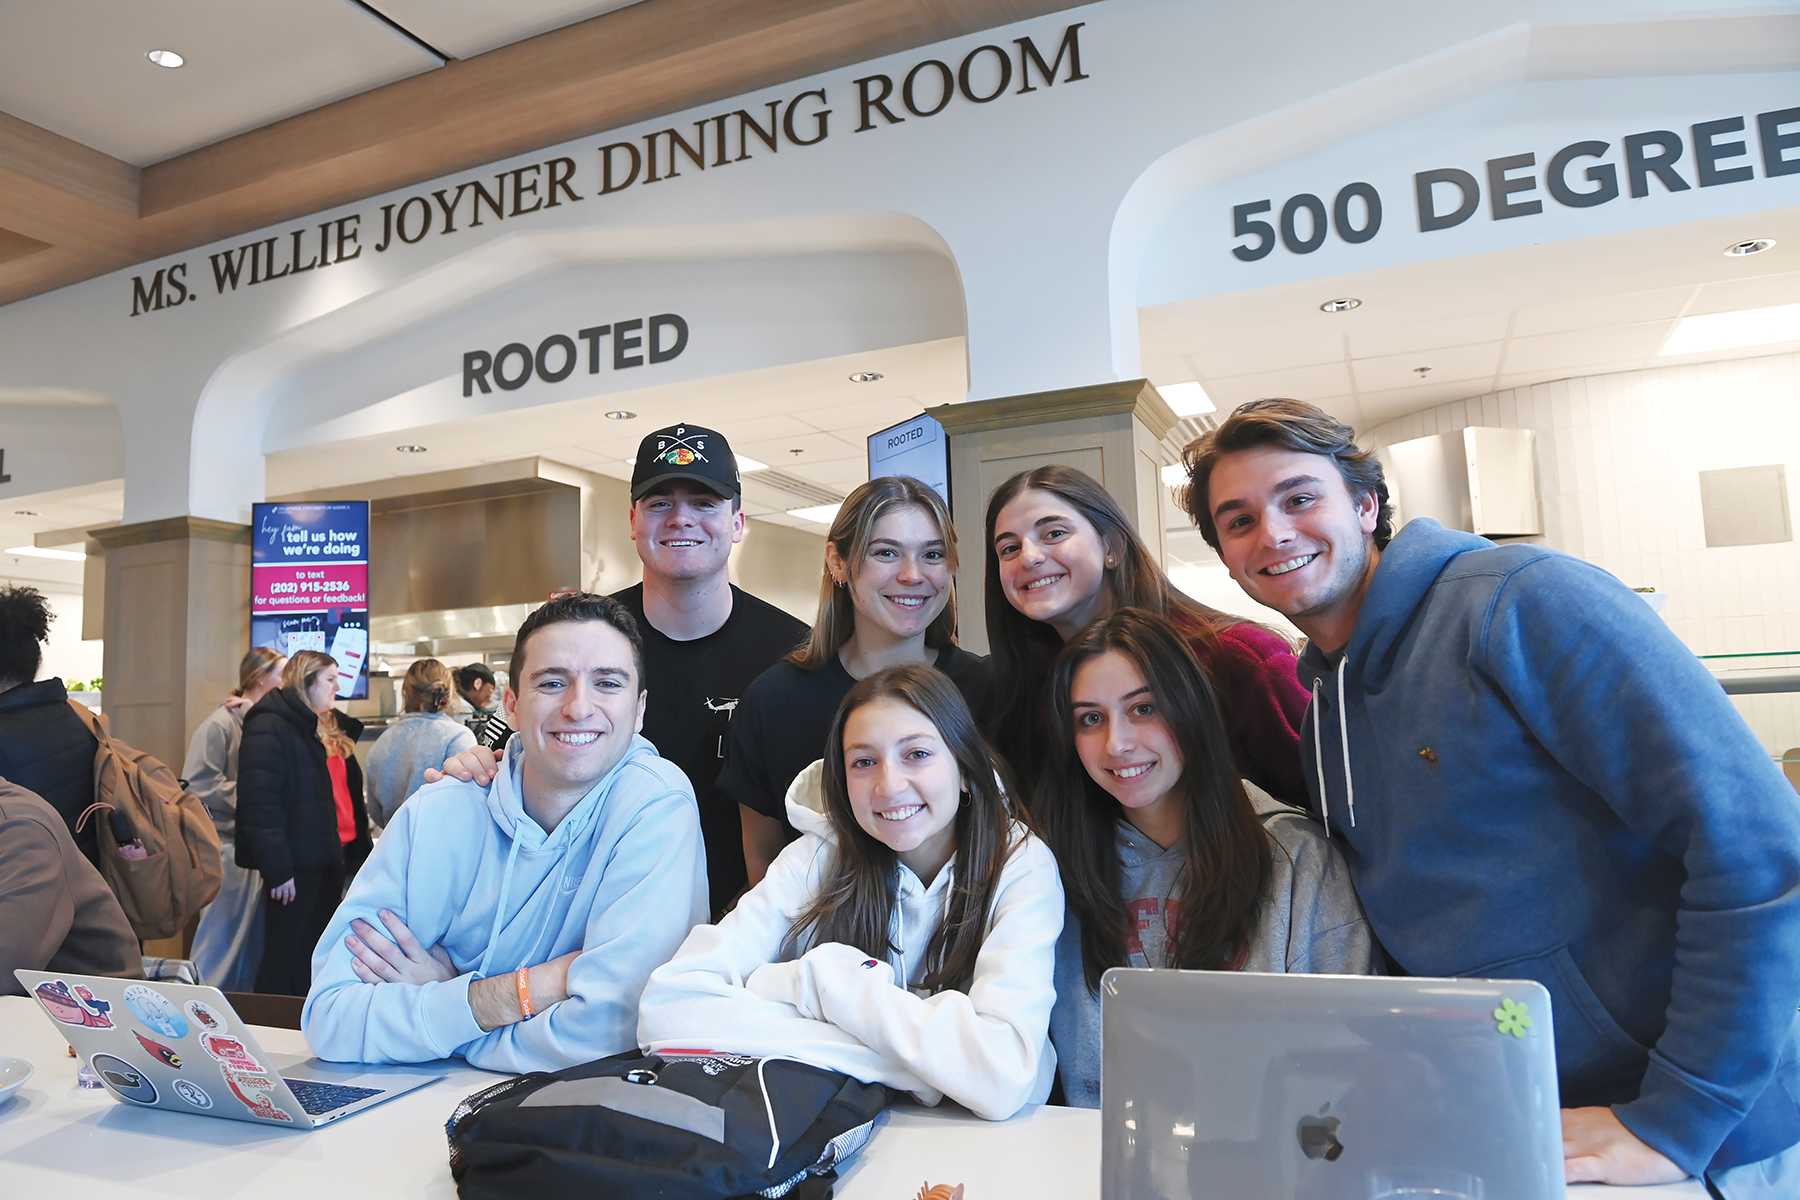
(694, 688)
(781, 726)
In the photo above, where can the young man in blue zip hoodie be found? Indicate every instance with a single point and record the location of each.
(1531, 777)
(515, 925)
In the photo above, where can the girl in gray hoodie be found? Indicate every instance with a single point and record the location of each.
(1168, 858)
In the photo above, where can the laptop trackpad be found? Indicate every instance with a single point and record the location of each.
(398, 1077)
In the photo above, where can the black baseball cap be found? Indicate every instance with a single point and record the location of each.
(686, 452)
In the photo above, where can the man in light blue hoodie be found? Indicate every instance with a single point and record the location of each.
(1531, 777)
(516, 925)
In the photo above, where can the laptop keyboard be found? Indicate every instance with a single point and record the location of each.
(320, 1098)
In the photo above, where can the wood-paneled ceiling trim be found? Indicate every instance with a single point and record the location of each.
(97, 214)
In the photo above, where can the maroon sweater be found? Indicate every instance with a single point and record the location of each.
(1254, 672)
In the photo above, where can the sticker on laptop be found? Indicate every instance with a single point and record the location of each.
(204, 1015)
(192, 1093)
(125, 1079)
(158, 1051)
(230, 1051)
(156, 1011)
(74, 1006)
(252, 1092)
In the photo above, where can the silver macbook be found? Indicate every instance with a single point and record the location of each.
(180, 1047)
(1221, 1085)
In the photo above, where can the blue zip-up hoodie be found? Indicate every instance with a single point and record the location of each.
(1533, 778)
(622, 877)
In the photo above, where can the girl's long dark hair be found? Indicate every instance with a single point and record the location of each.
(1023, 649)
(855, 904)
(1226, 857)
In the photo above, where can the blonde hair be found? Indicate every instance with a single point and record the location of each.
(256, 664)
(851, 533)
(302, 671)
(426, 687)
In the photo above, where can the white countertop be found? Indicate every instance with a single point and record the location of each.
(60, 1140)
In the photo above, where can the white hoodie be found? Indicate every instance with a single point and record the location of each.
(726, 988)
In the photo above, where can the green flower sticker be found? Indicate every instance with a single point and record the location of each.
(1512, 1017)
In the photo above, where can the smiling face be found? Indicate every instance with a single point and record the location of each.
(903, 782)
(684, 532)
(575, 709)
(1053, 562)
(1295, 538)
(1123, 741)
(902, 582)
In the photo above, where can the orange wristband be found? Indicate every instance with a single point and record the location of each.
(525, 993)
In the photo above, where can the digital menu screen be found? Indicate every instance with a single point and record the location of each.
(309, 585)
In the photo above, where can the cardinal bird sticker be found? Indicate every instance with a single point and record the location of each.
(158, 1051)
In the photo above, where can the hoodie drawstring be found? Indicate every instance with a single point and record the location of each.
(512, 857)
(1343, 743)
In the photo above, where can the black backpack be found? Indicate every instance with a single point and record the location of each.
(681, 1125)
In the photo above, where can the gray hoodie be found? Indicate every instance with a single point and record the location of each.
(1311, 923)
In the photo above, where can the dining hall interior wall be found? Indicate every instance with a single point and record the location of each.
(1619, 458)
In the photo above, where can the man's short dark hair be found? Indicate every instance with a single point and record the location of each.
(581, 606)
(1287, 425)
(25, 618)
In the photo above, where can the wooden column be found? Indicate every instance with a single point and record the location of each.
(1112, 431)
(177, 622)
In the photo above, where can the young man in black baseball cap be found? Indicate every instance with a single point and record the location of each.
(704, 640)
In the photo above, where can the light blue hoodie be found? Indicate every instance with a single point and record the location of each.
(622, 877)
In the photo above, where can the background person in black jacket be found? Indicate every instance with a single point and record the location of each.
(299, 821)
(44, 747)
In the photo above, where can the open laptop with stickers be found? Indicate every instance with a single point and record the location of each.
(1224, 1085)
(180, 1047)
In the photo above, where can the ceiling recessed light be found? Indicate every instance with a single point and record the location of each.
(619, 414)
(410, 449)
(1730, 330)
(824, 514)
(1341, 304)
(1752, 246)
(36, 552)
(746, 464)
(865, 377)
(165, 58)
(1188, 399)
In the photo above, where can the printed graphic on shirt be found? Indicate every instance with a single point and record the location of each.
(125, 1079)
(156, 1011)
(728, 706)
(1154, 923)
(158, 1051)
(74, 1006)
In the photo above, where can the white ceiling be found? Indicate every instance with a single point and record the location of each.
(77, 67)
(1483, 323)
(21, 520)
(768, 415)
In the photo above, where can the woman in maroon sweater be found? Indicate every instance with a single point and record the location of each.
(1061, 553)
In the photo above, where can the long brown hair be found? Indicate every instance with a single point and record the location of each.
(301, 672)
(1022, 649)
(855, 904)
(1226, 860)
(851, 531)
(426, 686)
(254, 666)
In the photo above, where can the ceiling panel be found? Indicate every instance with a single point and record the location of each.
(1584, 348)
(1763, 292)
(465, 28)
(1425, 336)
(77, 67)
(1467, 364)
(1302, 383)
(1593, 312)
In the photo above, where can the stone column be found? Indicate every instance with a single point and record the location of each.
(1113, 431)
(177, 622)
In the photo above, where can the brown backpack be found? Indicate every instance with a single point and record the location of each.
(178, 872)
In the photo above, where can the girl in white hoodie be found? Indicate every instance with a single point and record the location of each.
(909, 936)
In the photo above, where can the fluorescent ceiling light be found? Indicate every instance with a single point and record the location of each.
(1175, 475)
(1188, 399)
(36, 552)
(824, 514)
(1729, 330)
(746, 464)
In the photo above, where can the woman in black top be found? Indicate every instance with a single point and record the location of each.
(887, 597)
(296, 823)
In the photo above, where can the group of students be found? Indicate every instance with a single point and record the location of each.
(917, 862)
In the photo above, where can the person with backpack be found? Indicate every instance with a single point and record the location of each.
(907, 938)
(44, 747)
(299, 822)
(228, 943)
